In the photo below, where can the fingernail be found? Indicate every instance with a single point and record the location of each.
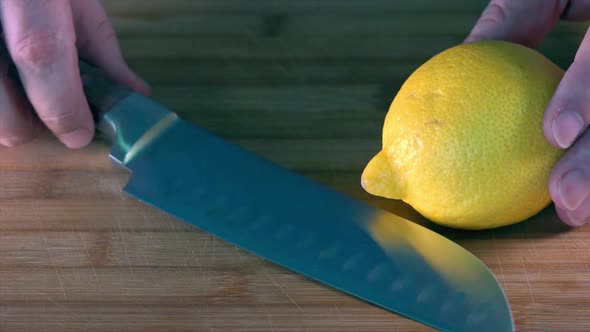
(13, 141)
(77, 138)
(566, 127)
(469, 39)
(137, 83)
(472, 38)
(572, 191)
(141, 85)
(575, 221)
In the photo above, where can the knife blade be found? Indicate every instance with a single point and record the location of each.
(290, 220)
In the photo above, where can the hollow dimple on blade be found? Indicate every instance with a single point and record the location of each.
(312, 230)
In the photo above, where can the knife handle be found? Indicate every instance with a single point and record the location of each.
(121, 114)
(101, 91)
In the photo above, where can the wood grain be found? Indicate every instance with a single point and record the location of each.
(303, 83)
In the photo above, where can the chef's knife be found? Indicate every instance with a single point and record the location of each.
(286, 218)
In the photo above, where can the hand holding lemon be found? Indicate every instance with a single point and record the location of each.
(487, 133)
(567, 115)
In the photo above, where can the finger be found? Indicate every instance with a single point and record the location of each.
(41, 41)
(17, 124)
(576, 10)
(98, 43)
(569, 182)
(563, 216)
(520, 21)
(577, 217)
(568, 112)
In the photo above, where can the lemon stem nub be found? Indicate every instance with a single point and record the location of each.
(378, 179)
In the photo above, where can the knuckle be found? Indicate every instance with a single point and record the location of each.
(37, 49)
(62, 121)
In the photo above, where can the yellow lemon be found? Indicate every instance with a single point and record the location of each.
(462, 140)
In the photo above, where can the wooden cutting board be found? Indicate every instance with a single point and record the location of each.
(304, 83)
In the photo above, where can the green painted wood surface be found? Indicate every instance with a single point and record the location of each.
(304, 83)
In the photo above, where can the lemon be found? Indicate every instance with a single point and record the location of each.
(462, 141)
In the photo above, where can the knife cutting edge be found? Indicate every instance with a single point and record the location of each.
(286, 218)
